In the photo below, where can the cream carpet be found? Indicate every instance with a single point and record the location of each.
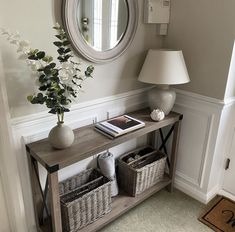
(163, 212)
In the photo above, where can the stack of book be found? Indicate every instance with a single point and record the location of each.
(118, 126)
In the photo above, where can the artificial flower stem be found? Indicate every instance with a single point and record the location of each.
(60, 117)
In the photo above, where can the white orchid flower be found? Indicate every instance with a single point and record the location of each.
(57, 24)
(24, 43)
(67, 66)
(14, 38)
(4, 31)
(65, 76)
(30, 62)
(36, 66)
(23, 56)
(23, 46)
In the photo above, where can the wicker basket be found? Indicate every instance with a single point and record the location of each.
(84, 198)
(140, 169)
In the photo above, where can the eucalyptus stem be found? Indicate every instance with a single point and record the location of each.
(60, 117)
(57, 83)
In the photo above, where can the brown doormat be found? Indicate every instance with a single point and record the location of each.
(220, 214)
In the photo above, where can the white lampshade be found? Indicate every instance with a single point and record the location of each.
(164, 67)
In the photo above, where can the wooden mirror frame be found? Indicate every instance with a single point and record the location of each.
(69, 12)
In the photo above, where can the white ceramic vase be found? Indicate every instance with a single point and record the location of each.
(61, 136)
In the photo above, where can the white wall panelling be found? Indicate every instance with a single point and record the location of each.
(200, 150)
(34, 127)
(227, 181)
(202, 144)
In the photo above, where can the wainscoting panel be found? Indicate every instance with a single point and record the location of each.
(31, 128)
(197, 148)
(193, 145)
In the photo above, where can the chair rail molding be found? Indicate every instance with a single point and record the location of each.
(200, 145)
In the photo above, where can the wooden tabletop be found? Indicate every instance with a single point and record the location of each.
(89, 142)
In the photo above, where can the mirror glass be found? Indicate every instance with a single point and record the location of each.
(100, 30)
(102, 23)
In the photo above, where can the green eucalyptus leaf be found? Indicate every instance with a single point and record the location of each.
(32, 57)
(52, 111)
(30, 98)
(55, 79)
(58, 43)
(52, 65)
(40, 55)
(35, 100)
(65, 109)
(45, 59)
(62, 91)
(61, 51)
(67, 50)
(50, 58)
(42, 79)
(66, 43)
(55, 72)
(60, 37)
(43, 88)
(47, 70)
(40, 95)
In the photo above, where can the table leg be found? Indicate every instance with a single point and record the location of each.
(55, 202)
(151, 139)
(174, 149)
(36, 192)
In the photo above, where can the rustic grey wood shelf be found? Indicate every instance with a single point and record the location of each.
(87, 143)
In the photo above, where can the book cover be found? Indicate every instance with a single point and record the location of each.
(123, 122)
(120, 125)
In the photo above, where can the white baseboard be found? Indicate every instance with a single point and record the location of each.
(191, 191)
(227, 194)
(195, 193)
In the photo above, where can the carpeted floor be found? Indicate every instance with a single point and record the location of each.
(163, 212)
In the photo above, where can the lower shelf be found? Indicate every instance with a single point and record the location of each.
(121, 204)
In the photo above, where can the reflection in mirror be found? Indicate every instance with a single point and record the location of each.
(102, 23)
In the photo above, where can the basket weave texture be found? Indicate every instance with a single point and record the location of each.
(84, 198)
(135, 175)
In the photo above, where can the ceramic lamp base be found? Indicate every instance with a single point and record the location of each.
(162, 98)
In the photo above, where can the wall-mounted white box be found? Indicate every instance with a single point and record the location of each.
(157, 11)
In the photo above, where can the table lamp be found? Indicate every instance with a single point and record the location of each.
(163, 68)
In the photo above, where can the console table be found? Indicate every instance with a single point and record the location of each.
(87, 143)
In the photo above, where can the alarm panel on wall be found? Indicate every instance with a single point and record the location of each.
(157, 11)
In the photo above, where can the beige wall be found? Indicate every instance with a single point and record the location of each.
(34, 20)
(205, 31)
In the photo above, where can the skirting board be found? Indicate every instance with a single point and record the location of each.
(227, 194)
(194, 192)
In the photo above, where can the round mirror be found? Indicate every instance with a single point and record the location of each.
(102, 23)
(100, 30)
